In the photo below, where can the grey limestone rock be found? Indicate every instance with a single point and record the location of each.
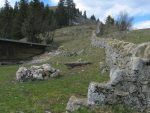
(42, 72)
(129, 75)
(75, 103)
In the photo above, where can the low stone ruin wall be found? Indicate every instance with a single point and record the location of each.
(129, 75)
(42, 72)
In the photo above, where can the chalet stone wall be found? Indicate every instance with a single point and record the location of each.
(129, 75)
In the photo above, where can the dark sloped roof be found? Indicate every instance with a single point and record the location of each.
(20, 42)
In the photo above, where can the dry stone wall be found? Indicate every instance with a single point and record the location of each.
(129, 75)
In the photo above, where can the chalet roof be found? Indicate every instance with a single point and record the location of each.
(21, 42)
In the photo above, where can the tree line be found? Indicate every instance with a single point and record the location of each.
(37, 22)
(29, 19)
(122, 23)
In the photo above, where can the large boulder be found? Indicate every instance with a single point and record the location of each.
(42, 72)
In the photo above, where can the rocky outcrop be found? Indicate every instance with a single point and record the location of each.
(42, 72)
(129, 75)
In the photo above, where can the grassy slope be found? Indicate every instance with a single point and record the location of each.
(136, 36)
(52, 95)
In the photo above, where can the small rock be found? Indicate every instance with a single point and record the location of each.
(48, 112)
(75, 103)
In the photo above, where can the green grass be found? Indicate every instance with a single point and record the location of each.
(39, 96)
(138, 36)
(105, 109)
(53, 94)
(134, 36)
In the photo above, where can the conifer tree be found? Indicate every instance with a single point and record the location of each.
(6, 16)
(19, 19)
(61, 14)
(84, 15)
(109, 21)
(93, 18)
(29, 19)
(71, 10)
(32, 24)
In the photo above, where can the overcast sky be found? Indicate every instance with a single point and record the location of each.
(139, 9)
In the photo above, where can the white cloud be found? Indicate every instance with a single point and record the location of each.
(12, 2)
(54, 2)
(2, 3)
(103, 8)
(142, 25)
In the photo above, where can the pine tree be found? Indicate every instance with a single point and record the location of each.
(84, 15)
(48, 23)
(15, 33)
(6, 17)
(97, 20)
(109, 21)
(29, 19)
(71, 10)
(32, 24)
(19, 19)
(39, 20)
(16, 8)
(61, 15)
(93, 18)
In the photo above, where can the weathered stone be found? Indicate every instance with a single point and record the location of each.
(116, 76)
(129, 76)
(55, 73)
(103, 67)
(75, 103)
(95, 96)
(21, 74)
(42, 72)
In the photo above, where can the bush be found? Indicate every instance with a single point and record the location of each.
(124, 22)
